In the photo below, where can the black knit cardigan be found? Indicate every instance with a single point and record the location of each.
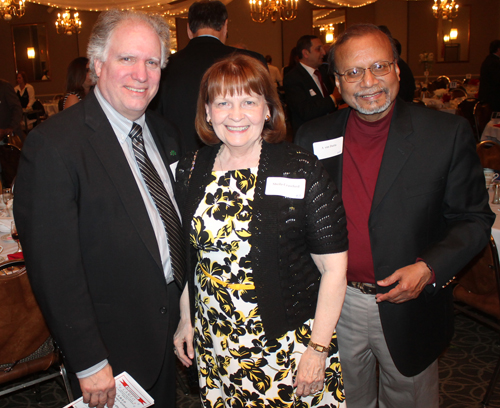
(284, 231)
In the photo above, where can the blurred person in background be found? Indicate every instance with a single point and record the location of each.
(78, 82)
(25, 92)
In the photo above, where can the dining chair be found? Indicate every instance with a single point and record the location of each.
(489, 154)
(458, 93)
(476, 294)
(466, 110)
(482, 115)
(27, 350)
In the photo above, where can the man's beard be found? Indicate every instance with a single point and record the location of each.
(372, 110)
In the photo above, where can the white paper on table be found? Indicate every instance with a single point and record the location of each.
(129, 394)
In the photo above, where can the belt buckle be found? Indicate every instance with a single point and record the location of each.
(365, 288)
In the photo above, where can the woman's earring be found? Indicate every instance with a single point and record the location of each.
(268, 118)
(209, 121)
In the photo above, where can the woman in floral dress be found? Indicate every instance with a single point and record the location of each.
(267, 251)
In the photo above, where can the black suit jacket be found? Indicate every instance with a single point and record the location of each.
(303, 97)
(429, 203)
(489, 84)
(90, 250)
(180, 84)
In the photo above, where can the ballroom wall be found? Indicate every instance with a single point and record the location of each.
(409, 21)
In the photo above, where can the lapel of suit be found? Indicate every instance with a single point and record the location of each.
(310, 83)
(106, 146)
(397, 151)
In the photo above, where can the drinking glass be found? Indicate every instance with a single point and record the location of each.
(15, 235)
(6, 195)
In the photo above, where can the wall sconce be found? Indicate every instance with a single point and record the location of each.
(31, 52)
(453, 34)
(330, 29)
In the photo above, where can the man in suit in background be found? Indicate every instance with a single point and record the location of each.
(417, 213)
(308, 92)
(180, 84)
(489, 83)
(94, 198)
(11, 111)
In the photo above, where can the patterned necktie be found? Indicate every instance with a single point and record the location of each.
(323, 87)
(163, 204)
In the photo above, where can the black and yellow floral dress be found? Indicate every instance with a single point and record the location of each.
(238, 366)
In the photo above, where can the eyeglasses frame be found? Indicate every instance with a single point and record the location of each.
(364, 71)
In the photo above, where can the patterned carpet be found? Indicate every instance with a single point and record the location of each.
(465, 370)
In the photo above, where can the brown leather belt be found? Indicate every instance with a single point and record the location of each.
(366, 288)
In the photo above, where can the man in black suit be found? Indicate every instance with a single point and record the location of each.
(308, 91)
(489, 83)
(417, 213)
(180, 84)
(102, 262)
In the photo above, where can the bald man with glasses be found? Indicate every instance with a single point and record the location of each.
(417, 213)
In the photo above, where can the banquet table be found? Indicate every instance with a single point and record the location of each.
(492, 132)
(495, 229)
(7, 244)
(51, 108)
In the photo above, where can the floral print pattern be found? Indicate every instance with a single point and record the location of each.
(238, 366)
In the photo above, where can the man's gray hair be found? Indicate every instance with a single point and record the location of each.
(356, 31)
(108, 21)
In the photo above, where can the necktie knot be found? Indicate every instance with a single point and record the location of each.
(135, 132)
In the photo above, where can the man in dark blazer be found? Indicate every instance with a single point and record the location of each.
(308, 91)
(489, 83)
(180, 84)
(417, 212)
(11, 111)
(100, 260)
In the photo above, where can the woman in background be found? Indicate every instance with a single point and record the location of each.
(267, 252)
(78, 82)
(25, 92)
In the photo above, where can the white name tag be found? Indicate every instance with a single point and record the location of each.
(286, 187)
(328, 148)
(173, 167)
(311, 92)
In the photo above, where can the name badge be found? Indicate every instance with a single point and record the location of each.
(173, 168)
(328, 148)
(286, 187)
(311, 92)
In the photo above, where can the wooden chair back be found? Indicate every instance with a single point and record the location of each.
(489, 154)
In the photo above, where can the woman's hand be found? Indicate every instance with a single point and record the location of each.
(310, 377)
(184, 335)
(185, 332)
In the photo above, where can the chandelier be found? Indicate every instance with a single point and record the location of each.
(12, 8)
(447, 9)
(285, 10)
(67, 25)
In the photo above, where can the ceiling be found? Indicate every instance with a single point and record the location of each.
(173, 7)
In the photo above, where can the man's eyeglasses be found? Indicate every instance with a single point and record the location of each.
(378, 69)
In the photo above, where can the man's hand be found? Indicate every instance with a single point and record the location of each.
(99, 389)
(412, 280)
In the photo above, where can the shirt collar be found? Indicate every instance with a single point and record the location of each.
(308, 68)
(117, 120)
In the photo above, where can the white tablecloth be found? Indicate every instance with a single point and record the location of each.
(51, 108)
(491, 132)
(495, 229)
(7, 244)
